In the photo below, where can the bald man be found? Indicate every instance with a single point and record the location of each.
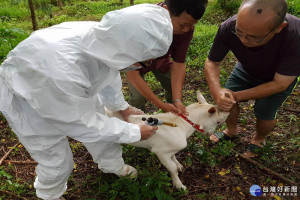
(266, 42)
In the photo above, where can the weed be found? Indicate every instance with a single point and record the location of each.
(267, 153)
(223, 148)
(9, 38)
(151, 184)
(294, 7)
(198, 151)
(2, 118)
(292, 118)
(295, 141)
(8, 184)
(76, 146)
(200, 45)
(230, 6)
(12, 10)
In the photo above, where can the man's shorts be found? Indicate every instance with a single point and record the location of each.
(265, 108)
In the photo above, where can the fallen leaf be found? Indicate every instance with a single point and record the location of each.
(221, 173)
(242, 193)
(240, 171)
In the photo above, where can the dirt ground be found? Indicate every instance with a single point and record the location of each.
(203, 181)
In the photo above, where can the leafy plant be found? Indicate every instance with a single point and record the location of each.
(223, 148)
(294, 7)
(153, 184)
(9, 38)
(200, 45)
(230, 6)
(76, 146)
(8, 185)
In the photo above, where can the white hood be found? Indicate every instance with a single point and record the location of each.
(141, 35)
(68, 72)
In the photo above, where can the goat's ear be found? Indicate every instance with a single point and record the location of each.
(212, 110)
(200, 97)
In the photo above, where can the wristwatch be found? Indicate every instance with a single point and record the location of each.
(176, 100)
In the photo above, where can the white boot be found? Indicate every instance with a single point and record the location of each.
(60, 198)
(127, 170)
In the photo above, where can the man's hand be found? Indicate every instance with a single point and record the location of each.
(146, 131)
(130, 111)
(167, 107)
(224, 99)
(181, 107)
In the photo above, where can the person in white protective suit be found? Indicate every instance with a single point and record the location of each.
(55, 85)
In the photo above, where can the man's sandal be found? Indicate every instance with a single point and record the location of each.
(252, 150)
(222, 136)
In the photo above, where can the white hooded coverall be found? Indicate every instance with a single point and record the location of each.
(55, 85)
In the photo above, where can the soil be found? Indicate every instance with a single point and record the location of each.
(203, 181)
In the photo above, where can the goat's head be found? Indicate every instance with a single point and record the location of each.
(207, 115)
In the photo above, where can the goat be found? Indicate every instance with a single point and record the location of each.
(167, 140)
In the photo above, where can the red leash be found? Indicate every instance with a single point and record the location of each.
(196, 126)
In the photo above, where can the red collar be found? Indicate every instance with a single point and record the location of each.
(196, 126)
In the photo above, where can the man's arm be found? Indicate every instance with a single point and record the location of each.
(138, 82)
(222, 97)
(278, 84)
(177, 81)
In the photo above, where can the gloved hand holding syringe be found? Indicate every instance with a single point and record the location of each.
(154, 122)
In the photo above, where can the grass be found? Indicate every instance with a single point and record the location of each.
(153, 182)
(9, 38)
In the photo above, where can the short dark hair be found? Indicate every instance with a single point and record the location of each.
(195, 8)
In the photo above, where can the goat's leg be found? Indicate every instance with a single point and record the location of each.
(179, 166)
(166, 160)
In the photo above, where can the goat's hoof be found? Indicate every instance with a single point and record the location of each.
(181, 186)
(180, 168)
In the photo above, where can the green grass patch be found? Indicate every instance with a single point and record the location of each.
(9, 38)
(9, 186)
(201, 44)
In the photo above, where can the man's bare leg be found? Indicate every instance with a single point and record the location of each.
(231, 122)
(263, 128)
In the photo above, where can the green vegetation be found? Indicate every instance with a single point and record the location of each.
(8, 183)
(9, 38)
(153, 181)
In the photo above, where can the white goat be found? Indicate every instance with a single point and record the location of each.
(167, 140)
